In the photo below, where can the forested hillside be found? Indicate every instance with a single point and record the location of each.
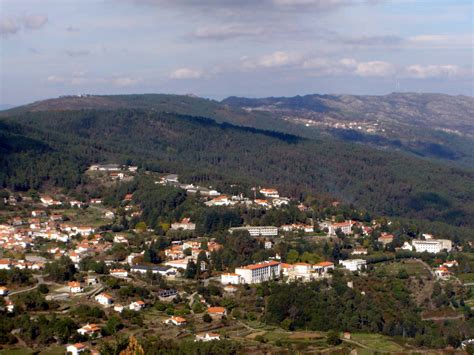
(433, 126)
(57, 147)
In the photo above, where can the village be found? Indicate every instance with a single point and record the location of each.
(69, 251)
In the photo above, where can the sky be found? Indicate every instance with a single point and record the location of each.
(221, 48)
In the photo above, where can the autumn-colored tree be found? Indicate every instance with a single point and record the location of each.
(133, 348)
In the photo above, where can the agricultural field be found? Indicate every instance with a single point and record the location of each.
(412, 267)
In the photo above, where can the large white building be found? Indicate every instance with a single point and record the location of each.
(432, 245)
(260, 272)
(257, 231)
(345, 227)
(353, 264)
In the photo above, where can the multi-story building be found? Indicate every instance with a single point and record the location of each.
(345, 227)
(432, 245)
(256, 231)
(260, 272)
(353, 264)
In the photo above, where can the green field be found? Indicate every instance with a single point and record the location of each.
(376, 342)
(412, 267)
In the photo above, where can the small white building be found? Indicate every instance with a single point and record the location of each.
(75, 349)
(207, 337)
(178, 321)
(89, 330)
(353, 264)
(119, 308)
(3, 291)
(104, 299)
(75, 287)
(230, 279)
(270, 193)
(184, 224)
(137, 306)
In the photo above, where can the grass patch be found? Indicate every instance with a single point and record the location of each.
(19, 351)
(412, 267)
(377, 342)
(465, 278)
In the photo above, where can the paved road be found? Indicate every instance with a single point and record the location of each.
(39, 279)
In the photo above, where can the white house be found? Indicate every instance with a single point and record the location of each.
(75, 349)
(178, 321)
(85, 230)
(104, 299)
(5, 264)
(407, 246)
(353, 264)
(230, 278)
(3, 291)
(89, 330)
(184, 224)
(75, 287)
(221, 200)
(118, 308)
(137, 306)
(260, 272)
(271, 193)
(442, 273)
(207, 337)
(359, 251)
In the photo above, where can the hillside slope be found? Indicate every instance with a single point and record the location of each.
(428, 125)
(432, 126)
(59, 145)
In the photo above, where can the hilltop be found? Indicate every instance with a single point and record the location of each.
(433, 126)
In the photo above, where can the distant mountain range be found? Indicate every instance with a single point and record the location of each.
(434, 126)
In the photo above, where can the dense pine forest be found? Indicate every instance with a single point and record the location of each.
(56, 147)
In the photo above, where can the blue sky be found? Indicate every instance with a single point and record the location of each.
(219, 48)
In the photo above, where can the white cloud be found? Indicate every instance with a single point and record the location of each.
(126, 81)
(77, 52)
(463, 41)
(375, 68)
(319, 65)
(186, 73)
(227, 31)
(432, 71)
(274, 60)
(80, 79)
(8, 26)
(34, 22)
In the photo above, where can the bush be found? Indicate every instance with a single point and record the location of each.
(333, 338)
(43, 288)
(207, 318)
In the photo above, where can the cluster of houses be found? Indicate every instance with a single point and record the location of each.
(115, 171)
(180, 253)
